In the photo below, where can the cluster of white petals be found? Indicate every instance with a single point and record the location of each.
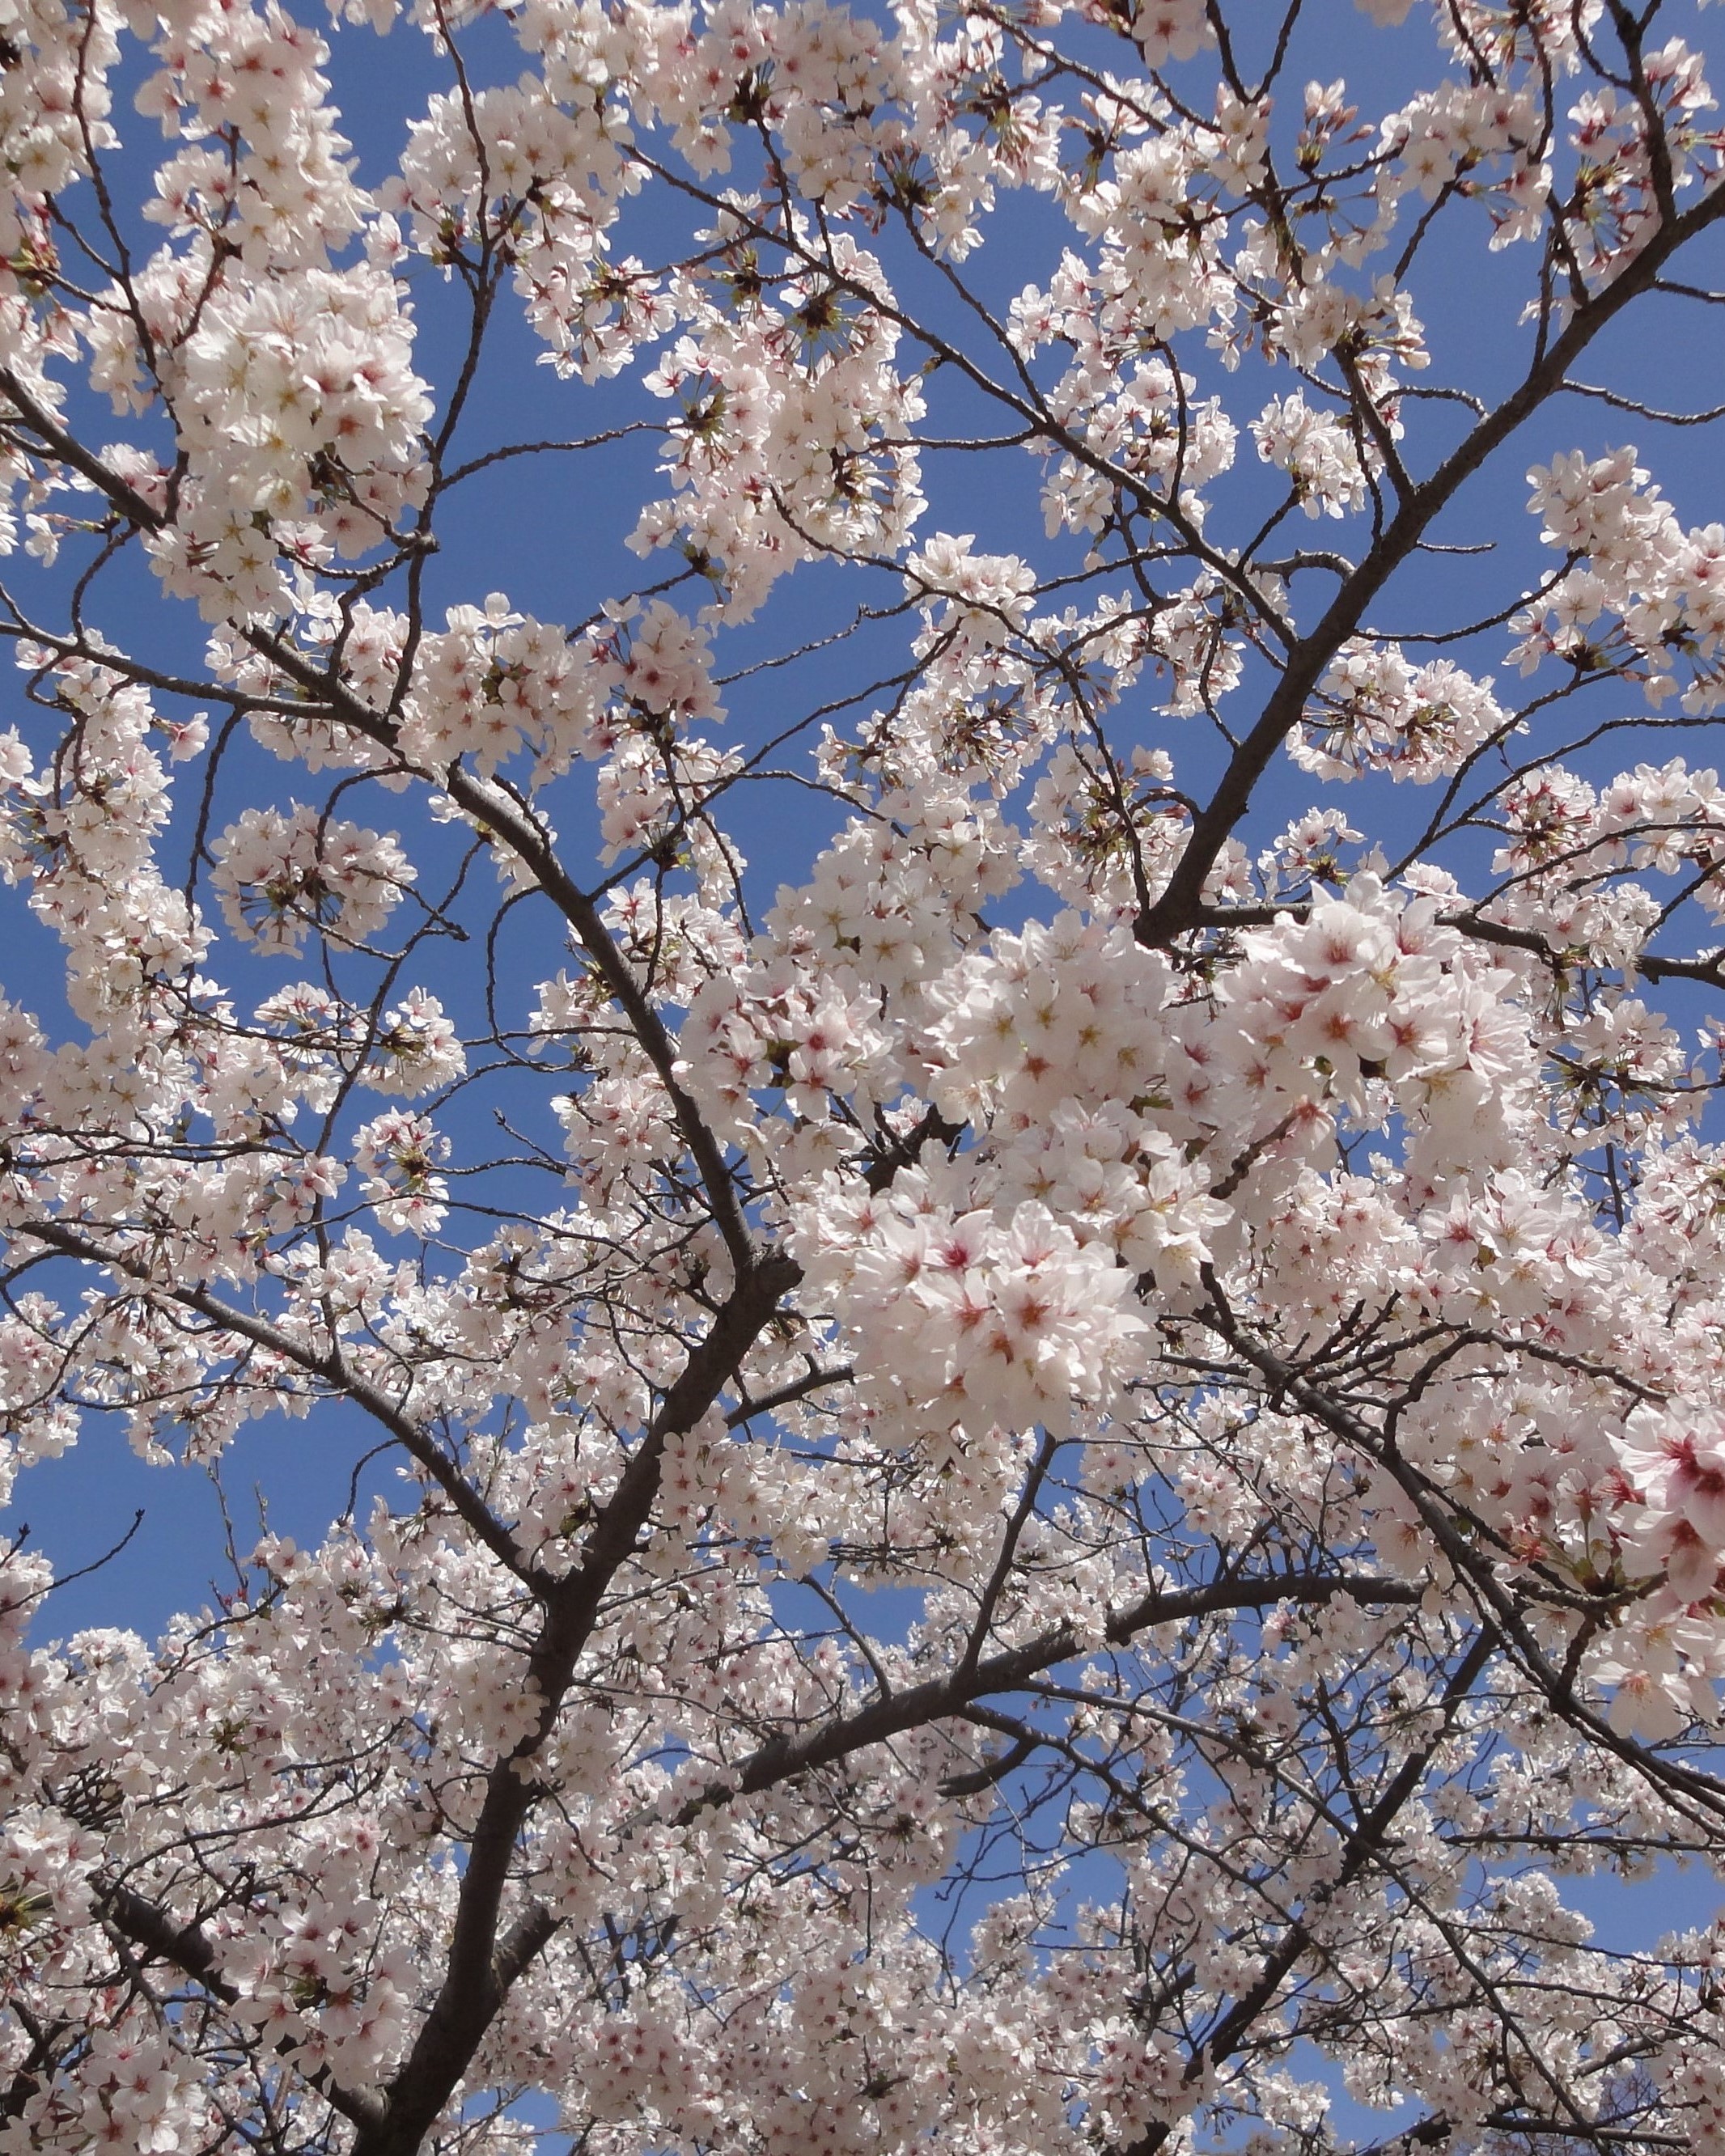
(1005, 1437)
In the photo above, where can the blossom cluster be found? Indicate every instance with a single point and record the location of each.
(1027, 1426)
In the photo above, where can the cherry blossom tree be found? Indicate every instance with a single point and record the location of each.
(1046, 1475)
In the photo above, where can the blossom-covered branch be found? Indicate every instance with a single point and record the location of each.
(1033, 1475)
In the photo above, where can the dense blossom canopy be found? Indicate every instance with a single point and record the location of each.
(1030, 1481)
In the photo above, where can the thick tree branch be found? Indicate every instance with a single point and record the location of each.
(478, 1972)
(187, 1949)
(1180, 906)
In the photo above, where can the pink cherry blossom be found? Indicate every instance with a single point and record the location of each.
(1023, 1415)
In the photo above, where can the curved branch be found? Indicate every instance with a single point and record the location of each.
(1180, 906)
